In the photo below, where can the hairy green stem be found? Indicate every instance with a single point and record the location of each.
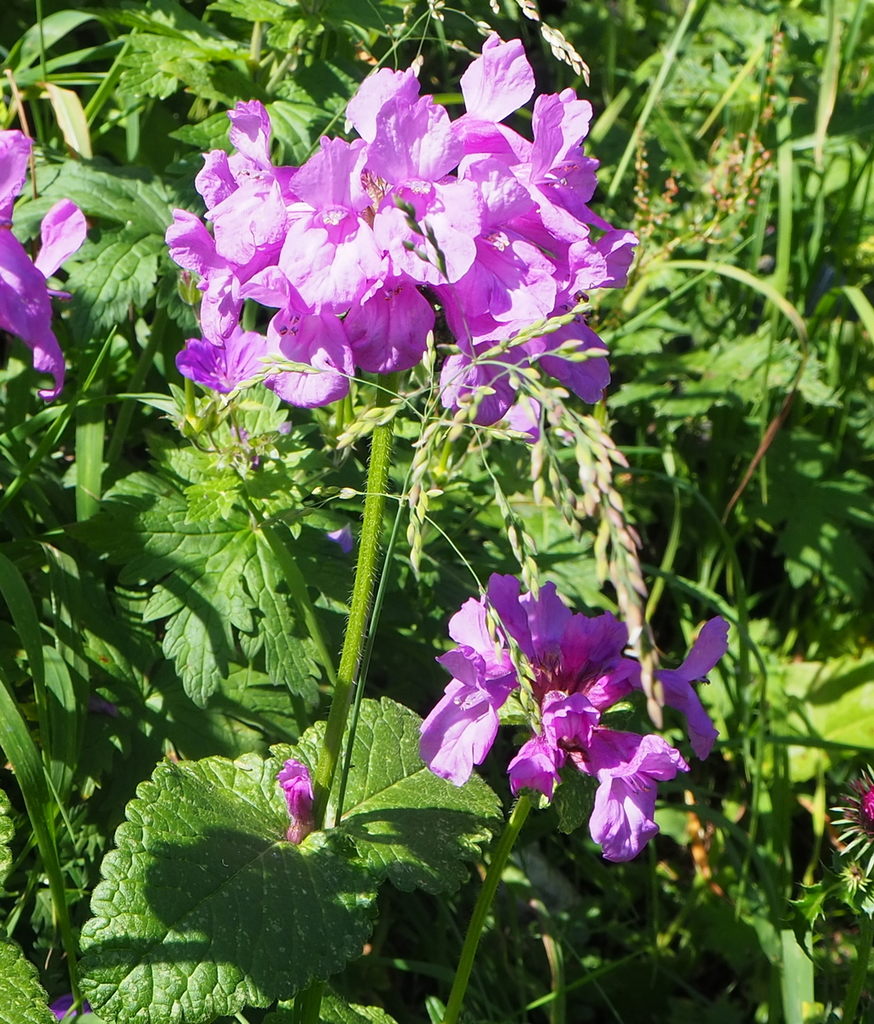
(483, 903)
(860, 968)
(359, 612)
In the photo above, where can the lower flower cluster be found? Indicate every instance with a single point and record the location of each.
(574, 672)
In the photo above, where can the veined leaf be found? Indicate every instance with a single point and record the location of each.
(6, 833)
(213, 585)
(337, 1011)
(334, 1010)
(157, 65)
(407, 824)
(833, 705)
(110, 275)
(22, 999)
(133, 197)
(255, 10)
(205, 907)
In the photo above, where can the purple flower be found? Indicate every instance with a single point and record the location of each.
(628, 768)
(25, 298)
(294, 779)
(389, 331)
(342, 538)
(461, 729)
(62, 1006)
(329, 253)
(356, 247)
(711, 645)
(573, 672)
(855, 819)
(225, 365)
(98, 705)
(567, 722)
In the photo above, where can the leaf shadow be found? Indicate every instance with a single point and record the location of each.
(233, 911)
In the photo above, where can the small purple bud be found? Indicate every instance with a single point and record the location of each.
(342, 537)
(63, 1004)
(297, 785)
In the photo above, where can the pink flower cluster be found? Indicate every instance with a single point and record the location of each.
(356, 248)
(25, 298)
(578, 673)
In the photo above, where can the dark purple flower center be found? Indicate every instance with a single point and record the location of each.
(866, 810)
(551, 676)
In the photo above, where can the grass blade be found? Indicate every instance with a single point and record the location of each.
(21, 751)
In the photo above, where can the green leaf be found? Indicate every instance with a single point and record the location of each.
(40, 37)
(111, 275)
(132, 197)
(205, 908)
(334, 1010)
(407, 824)
(6, 833)
(158, 65)
(833, 703)
(211, 584)
(22, 999)
(574, 800)
(823, 544)
(255, 10)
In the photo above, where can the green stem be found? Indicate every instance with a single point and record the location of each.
(138, 379)
(255, 45)
(359, 612)
(483, 903)
(860, 969)
(308, 1004)
(298, 588)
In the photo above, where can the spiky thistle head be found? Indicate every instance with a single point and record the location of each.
(856, 822)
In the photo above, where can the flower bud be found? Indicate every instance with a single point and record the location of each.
(294, 778)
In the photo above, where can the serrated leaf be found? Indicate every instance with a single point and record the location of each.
(822, 544)
(110, 276)
(407, 824)
(284, 661)
(6, 833)
(132, 197)
(213, 499)
(334, 1010)
(167, 18)
(209, 578)
(255, 10)
(205, 908)
(157, 65)
(22, 999)
(574, 800)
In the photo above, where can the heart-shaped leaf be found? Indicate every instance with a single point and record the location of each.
(206, 908)
(406, 823)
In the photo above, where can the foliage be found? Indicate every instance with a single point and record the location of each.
(171, 599)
